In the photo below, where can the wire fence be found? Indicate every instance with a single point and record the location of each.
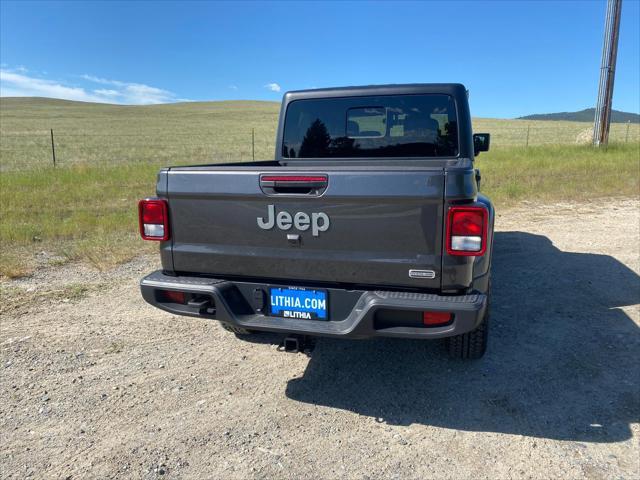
(55, 148)
(52, 147)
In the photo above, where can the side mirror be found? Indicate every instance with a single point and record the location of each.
(481, 143)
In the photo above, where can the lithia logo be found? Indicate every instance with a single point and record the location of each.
(317, 222)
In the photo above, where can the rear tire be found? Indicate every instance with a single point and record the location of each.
(473, 344)
(239, 331)
(470, 345)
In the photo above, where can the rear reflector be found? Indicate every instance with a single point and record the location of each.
(467, 231)
(173, 296)
(154, 219)
(433, 319)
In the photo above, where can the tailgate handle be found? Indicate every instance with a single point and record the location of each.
(293, 184)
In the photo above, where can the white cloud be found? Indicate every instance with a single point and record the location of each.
(14, 83)
(106, 92)
(132, 93)
(274, 87)
(18, 85)
(104, 81)
(233, 87)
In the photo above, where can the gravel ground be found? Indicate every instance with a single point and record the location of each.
(97, 384)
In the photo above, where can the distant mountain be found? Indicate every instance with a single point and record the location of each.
(586, 115)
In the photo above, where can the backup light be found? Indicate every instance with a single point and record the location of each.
(467, 231)
(154, 219)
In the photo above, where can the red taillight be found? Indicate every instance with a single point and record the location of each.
(294, 178)
(433, 319)
(154, 219)
(467, 223)
(467, 231)
(173, 296)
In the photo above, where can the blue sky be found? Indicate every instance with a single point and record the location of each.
(516, 58)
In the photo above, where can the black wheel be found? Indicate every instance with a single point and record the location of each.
(473, 344)
(237, 330)
(470, 345)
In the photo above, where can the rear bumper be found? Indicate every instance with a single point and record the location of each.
(352, 313)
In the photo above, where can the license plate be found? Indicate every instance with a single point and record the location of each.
(298, 303)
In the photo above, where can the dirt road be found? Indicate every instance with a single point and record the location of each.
(97, 384)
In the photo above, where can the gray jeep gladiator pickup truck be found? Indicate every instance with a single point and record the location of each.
(368, 223)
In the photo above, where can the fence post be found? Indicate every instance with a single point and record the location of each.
(527, 143)
(626, 137)
(53, 149)
(253, 144)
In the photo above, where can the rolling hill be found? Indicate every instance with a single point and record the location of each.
(199, 132)
(586, 115)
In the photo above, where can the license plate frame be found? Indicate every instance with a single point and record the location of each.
(300, 311)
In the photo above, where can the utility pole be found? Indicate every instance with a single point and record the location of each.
(607, 73)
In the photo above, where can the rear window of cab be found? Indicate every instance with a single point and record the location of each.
(371, 126)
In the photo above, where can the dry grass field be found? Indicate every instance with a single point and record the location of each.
(99, 134)
(198, 132)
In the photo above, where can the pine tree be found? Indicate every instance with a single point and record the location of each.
(316, 141)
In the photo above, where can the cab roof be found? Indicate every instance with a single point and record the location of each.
(454, 89)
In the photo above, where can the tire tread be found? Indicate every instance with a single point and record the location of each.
(470, 345)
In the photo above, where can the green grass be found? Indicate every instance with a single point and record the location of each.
(559, 172)
(85, 209)
(78, 212)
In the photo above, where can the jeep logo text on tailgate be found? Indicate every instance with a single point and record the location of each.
(318, 222)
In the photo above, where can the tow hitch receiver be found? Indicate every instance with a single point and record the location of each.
(297, 344)
(202, 304)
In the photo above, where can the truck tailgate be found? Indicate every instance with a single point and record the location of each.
(372, 225)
